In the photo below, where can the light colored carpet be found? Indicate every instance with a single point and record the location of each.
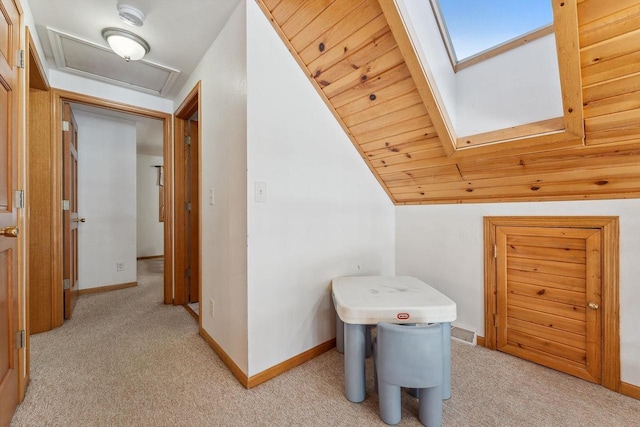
(126, 359)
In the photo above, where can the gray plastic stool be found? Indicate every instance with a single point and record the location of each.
(409, 357)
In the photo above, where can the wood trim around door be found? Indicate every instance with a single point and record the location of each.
(609, 227)
(58, 96)
(187, 109)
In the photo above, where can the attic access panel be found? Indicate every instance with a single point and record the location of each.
(470, 27)
(97, 62)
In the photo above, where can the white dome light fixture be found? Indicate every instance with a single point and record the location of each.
(126, 44)
(131, 15)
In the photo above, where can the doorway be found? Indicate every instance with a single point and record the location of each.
(551, 293)
(46, 212)
(187, 196)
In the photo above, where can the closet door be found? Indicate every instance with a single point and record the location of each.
(548, 297)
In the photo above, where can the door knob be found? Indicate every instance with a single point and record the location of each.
(9, 231)
(593, 306)
(80, 220)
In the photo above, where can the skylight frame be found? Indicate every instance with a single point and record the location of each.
(491, 52)
(509, 140)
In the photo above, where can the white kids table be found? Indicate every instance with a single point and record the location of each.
(367, 300)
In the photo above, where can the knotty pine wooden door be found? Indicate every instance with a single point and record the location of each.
(9, 249)
(549, 287)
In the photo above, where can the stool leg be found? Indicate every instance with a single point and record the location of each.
(430, 406)
(389, 403)
(339, 334)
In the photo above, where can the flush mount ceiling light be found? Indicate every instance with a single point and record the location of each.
(126, 44)
(131, 15)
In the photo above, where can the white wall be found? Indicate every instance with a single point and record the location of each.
(325, 215)
(149, 229)
(443, 245)
(85, 86)
(518, 87)
(29, 21)
(425, 34)
(107, 199)
(223, 126)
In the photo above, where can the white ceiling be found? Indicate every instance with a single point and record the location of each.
(178, 31)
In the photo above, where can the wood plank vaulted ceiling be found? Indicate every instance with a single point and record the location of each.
(350, 53)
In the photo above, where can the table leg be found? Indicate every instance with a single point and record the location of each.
(446, 362)
(339, 334)
(354, 378)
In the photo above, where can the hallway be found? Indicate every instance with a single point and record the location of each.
(127, 359)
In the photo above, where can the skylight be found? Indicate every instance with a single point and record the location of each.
(474, 26)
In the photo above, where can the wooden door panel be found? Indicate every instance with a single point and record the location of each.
(194, 214)
(522, 340)
(547, 280)
(576, 255)
(70, 217)
(576, 340)
(187, 202)
(547, 293)
(557, 268)
(546, 277)
(9, 310)
(6, 299)
(594, 296)
(547, 242)
(543, 358)
(574, 312)
(550, 320)
(5, 120)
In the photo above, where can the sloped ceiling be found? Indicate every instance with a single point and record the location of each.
(354, 60)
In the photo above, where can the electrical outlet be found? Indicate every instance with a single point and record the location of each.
(261, 192)
(211, 306)
(120, 266)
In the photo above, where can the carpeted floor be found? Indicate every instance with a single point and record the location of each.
(126, 359)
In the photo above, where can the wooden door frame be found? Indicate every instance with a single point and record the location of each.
(58, 96)
(187, 108)
(35, 78)
(609, 227)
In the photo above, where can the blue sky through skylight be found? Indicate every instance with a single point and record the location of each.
(478, 25)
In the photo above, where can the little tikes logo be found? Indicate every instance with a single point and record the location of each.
(402, 316)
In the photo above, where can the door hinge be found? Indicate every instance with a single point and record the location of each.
(187, 140)
(21, 58)
(20, 199)
(21, 339)
(495, 251)
(187, 273)
(65, 205)
(65, 126)
(187, 207)
(66, 284)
